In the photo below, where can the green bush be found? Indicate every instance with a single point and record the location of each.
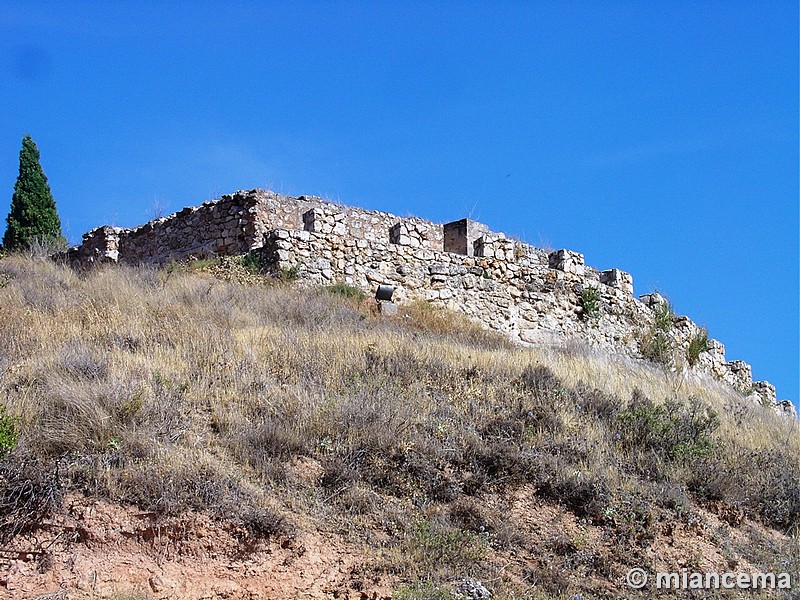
(289, 274)
(657, 344)
(435, 544)
(347, 291)
(664, 317)
(590, 302)
(673, 431)
(697, 345)
(422, 591)
(9, 433)
(253, 262)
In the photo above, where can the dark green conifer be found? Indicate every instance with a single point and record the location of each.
(33, 218)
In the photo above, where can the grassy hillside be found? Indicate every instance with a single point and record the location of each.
(445, 451)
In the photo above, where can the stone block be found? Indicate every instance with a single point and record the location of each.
(617, 279)
(495, 246)
(567, 261)
(460, 236)
(766, 392)
(652, 300)
(482, 248)
(740, 374)
(716, 350)
(388, 309)
(405, 234)
(787, 409)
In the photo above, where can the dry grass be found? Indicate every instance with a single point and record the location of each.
(178, 390)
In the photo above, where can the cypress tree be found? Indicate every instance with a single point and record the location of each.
(33, 217)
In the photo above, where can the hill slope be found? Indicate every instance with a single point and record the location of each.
(200, 432)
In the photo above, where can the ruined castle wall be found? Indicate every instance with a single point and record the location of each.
(236, 224)
(519, 295)
(528, 294)
(509, 286)
(371, 226)
(232, 225)
(100, 245)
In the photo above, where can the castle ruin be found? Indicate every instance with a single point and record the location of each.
(528, 293)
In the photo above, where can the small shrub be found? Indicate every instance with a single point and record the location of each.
(586, 495)
(434, 544)
(664, 317)
(540, 380)
(658, 344)
(253, 262)
(204, 263)
(658, 348)
(82, 364)
(672, 432)
(347, 291)
(289, 274)
(697, 345)
(173, 267)
(257, 443)
(9, 433)
(765, 483)
(470, 515)
(339, 471)
(422, 590)
(633, 517)
(590, 302)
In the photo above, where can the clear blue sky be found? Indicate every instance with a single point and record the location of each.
(656, 137)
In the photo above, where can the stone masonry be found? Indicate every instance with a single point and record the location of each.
(509, 286)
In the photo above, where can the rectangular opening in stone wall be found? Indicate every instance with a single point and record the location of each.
(479, 247)
(309, 220)
(395, 231)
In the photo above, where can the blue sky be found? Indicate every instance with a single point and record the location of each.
(656, 137)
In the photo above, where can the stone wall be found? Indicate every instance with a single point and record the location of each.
(522, 295)
(236, 224)
(509, 286)
(99, 245)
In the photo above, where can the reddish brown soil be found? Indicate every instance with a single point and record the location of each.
(101, 551)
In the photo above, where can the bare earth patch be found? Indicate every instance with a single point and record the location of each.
(100, 550)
